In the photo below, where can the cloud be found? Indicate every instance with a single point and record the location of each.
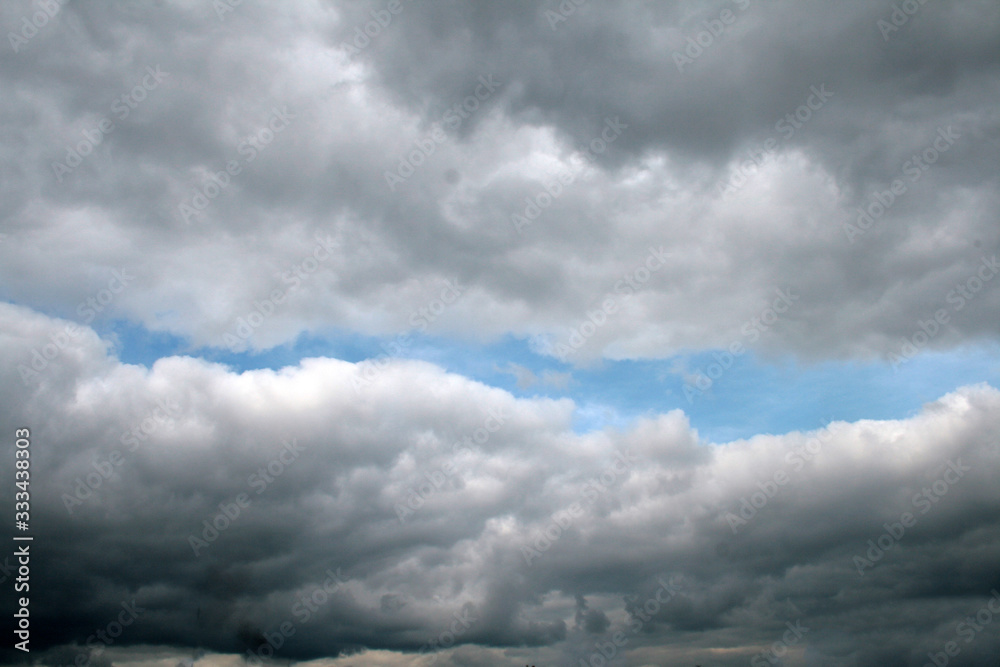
(319, 546)
(635, 181)
(351, 116)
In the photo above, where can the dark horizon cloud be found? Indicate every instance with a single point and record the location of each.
(635, 180)
(227, 522)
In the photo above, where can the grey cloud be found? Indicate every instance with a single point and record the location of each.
(320, 546)
(480, 545)
(357, 116)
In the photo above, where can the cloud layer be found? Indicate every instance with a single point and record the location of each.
(265, 126)
(596, 182)
(220, 503)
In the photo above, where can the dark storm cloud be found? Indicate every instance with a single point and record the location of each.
(273, 499)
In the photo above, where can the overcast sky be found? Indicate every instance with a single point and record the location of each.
(441, 332)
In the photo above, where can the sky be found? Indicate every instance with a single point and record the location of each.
(353, 333)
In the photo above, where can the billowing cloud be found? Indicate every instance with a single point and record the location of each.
(600, 184)
(536, 161)
(369, 517)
